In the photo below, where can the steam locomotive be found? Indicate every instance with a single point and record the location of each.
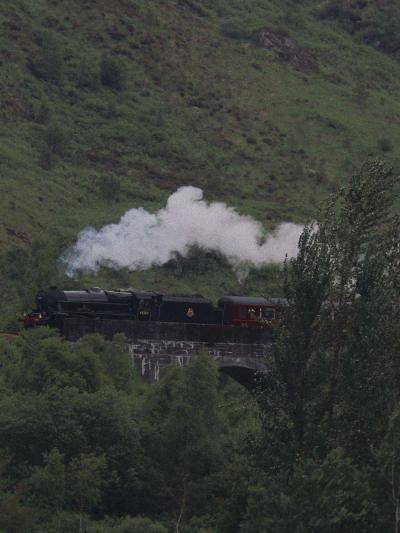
(53, 307)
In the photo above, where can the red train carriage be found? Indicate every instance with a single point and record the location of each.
(243, 310)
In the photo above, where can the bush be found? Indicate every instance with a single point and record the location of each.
(215, 182)
(112, 73)
(111, 111)
(198, 261)
(43, 114)
(160, 119)
(141, 525)
(331, 9)
(109, 187)
(55, 138)
(385, 144)
(361, 93)
(52, 144)
(89, 74)
(46, 158)
(49, 66)
(235, 28)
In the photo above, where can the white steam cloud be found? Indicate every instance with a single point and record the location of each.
(142, 239)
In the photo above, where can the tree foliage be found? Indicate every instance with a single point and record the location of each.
(333, 380)
(49, 484)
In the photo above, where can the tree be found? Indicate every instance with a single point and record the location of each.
(49, 484)
(334, 378)
(183, 439)
(115, 358)
(330, 497)
(291, 387)
(335, 353)
(119, 365)
(79, 423)
(358, 237)
(86, 481)
(43, 360)
(14, 517)
(387, 466)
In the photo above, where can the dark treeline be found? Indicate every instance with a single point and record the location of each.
(82, 439)
(86, 447)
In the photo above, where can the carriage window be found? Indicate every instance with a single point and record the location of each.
(267, 313)
(242, 312)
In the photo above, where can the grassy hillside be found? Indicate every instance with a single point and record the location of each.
(108, 105)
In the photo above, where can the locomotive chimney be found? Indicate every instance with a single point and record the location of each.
(53, 288)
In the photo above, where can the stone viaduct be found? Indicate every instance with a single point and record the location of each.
(239, 352)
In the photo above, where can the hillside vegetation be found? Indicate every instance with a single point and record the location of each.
(108, 105)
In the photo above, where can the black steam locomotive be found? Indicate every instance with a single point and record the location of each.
(53, 307)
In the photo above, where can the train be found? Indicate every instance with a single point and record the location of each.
(54, 306)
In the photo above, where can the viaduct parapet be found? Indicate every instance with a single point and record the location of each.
(238, 352)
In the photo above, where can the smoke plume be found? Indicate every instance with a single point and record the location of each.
(142, 239)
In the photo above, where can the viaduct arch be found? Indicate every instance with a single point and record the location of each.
(243, 371)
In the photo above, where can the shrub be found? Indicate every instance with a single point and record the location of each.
(111, 111)
(215, 182)
(235, 28)
(43, 114)
(112, 73)
(109, 187)
(46, 157)
(140, 525)
(49, 65)
(55, 138)
(198, 261)
(385, 144)
(361, 93)
(331, 9)
(89, 74)
(160, 119)
(152, 18)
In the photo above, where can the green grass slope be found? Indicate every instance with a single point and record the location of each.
(108, 105)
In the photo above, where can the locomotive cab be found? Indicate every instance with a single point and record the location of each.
(146, 305)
